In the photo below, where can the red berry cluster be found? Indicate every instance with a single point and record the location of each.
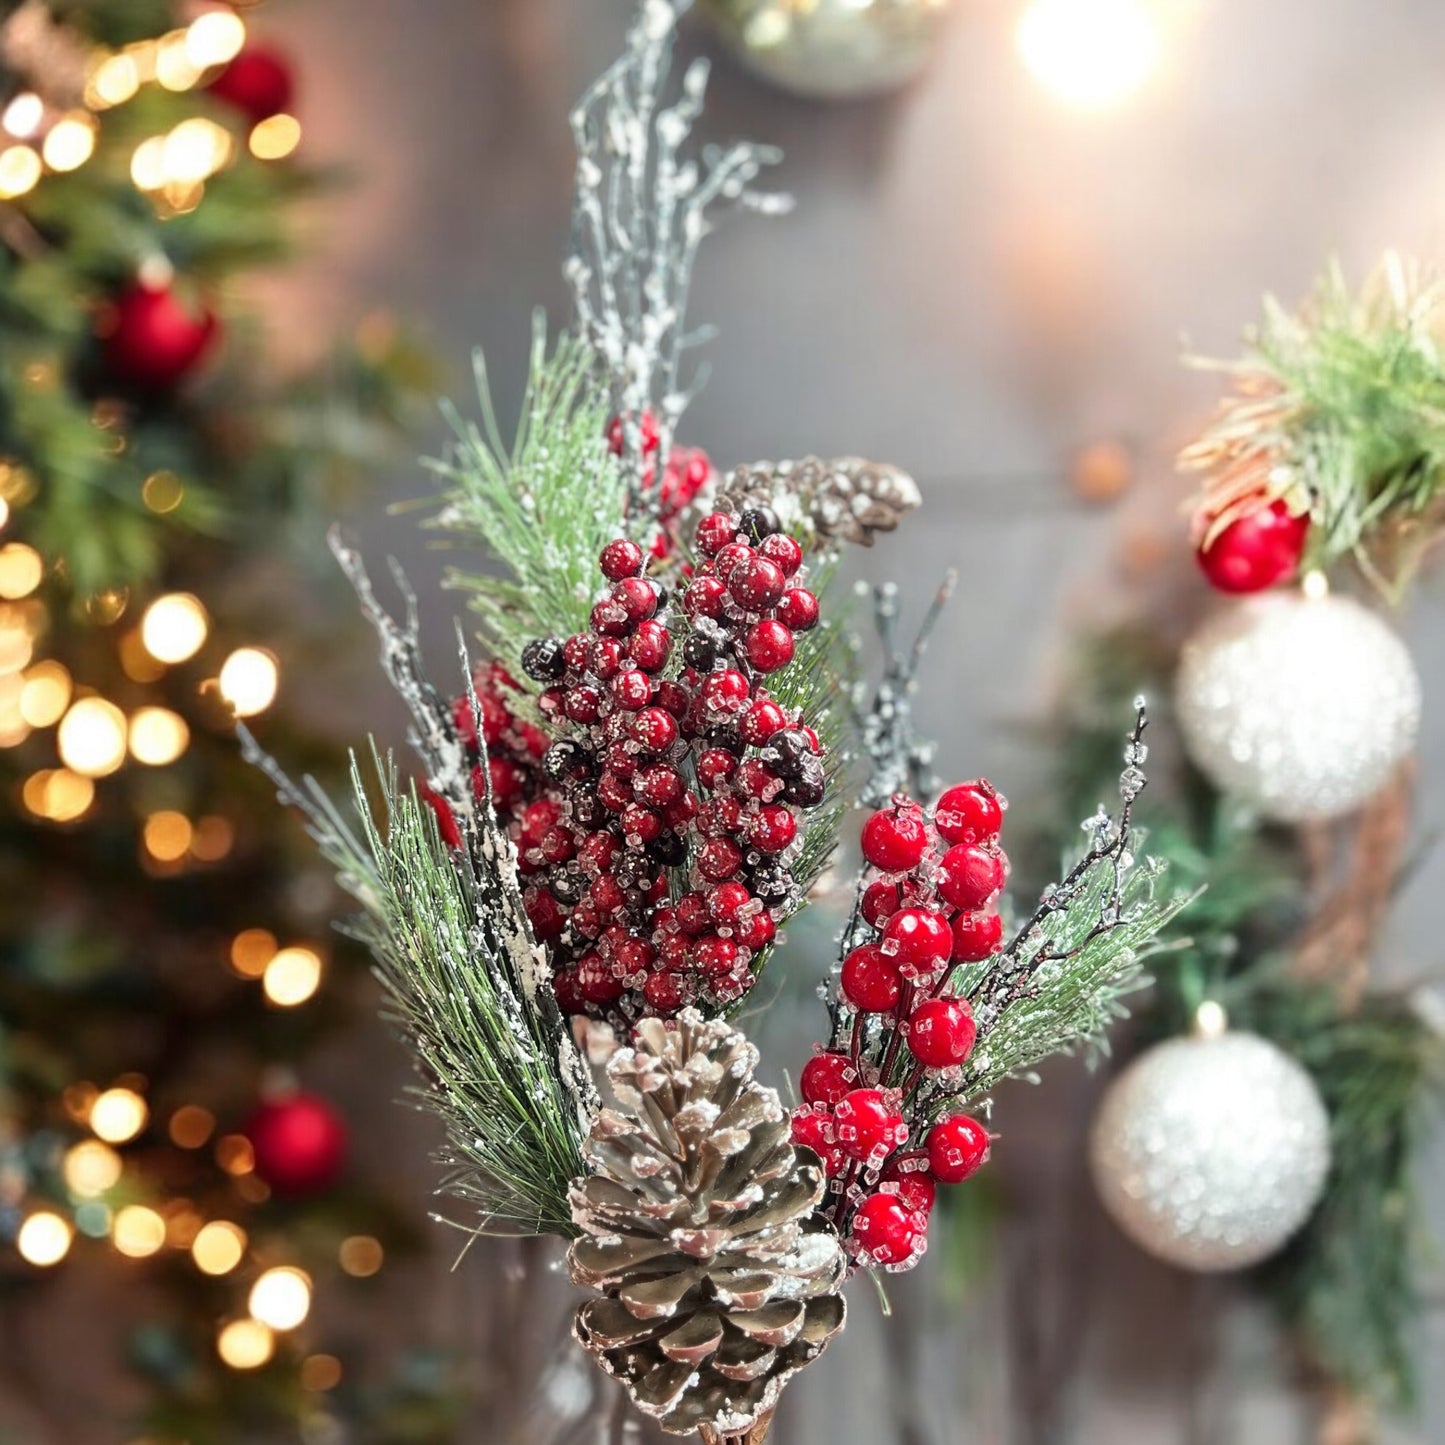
(687, 472)
(903, 1027)
(700, 773)
(514, 746)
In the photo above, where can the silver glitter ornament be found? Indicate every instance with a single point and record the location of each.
(1300, 705)
(832, 49)
(1210, 1153)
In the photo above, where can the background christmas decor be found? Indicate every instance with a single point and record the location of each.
(164, 963)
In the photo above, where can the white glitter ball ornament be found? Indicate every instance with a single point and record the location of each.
(1210, 1153)
(832, 49)
(1300, 705)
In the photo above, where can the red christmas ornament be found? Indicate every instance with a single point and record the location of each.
(152, 339)
(299, 1143)
(258, 82)
(1255, 551)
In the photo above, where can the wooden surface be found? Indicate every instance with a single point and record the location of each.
(976, 283)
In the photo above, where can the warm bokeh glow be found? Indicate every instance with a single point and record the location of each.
(248, 681)
(45, 694)
(196, 149)
(174, 67)
(191, 1126)
(292, 976)
(118, 1115)
(167, 836)
(22, 116)
(245, 1344)
(218, 1247)
(137, 1231)
(1090, 53)
(20, 168)
(20, 570)
(115, 80)
(157, 736)
(148, 164)
(135, 661)
(361, 1256)
(274, 138)
(213, 839)
(69, 144)
(162, 492)
(91, 737)
(280, 1298)
(174, 627)
(251, 950)
(43, 1239)
(214, 38)
(234, 1154)
(320, 1372)
(90, 1168)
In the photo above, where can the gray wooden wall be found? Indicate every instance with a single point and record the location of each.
(976, 282)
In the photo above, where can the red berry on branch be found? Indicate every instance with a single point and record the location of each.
(880, 903)
(783, 550)
(632, 690)
(725, 903)
(756, 584)
(769, 645)
(971, 874)
(694, 913)
(446, 819)
(714, 532)
(714, 956)
(826, 1077)
(544, 913)
(665, 993)
(756, 931)
(941, 1032)
(868, 1124)
(871, 981)
(895, 838)
(919, 941)
(648, 432)
(957, 1148)
(814, 1131)
(719, 859)
(758, 780)
(650, 646)
(655, 730)
(976, 936)
(596, 982)
(761, 720)
(910, 1183)
(798, 609)
(619, 559)
(729, 557)
(773, 829)
(716, 766)
(886, 1230)
(725, 692)
(636, 597)
(969, 813)
(606, 657)
(1257, 550)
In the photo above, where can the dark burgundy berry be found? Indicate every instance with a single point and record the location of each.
(784, 550)
(564, 759)
(632, 690)
(757, 584)
(669, 849)
(714, 532)
(718, 859)
(808, 788)
(758, 522)
(620, 559)
(769, 645)
(655, 729)
(699, 651)
(542, 660)
(798, 609)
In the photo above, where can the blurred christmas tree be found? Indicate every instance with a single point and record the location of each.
(160, 969)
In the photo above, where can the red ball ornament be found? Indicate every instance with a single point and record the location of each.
(957, 1148)
(886, 1229)
(152, 339)
(941, 1032)
(969, 813)
(1257, 550)
(895, 838)
(258, 82)
(299, 1144)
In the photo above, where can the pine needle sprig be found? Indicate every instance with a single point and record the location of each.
(1339, 409)
(542, 506)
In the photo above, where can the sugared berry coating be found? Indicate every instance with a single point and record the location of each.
(769, 646)
(976, 936)
(866, 1122)
(895, 838)
(648, 434)
(886, 1229)
(969, 813)
(971, 874)
(871, 981)
(814, 1131)
(756, 584)
(772, 829)
(957, 1148)
(622, 558)
(880, 903)
(798, 609)
(714, 532)
(912, 1185)
(784, 550)
(919, 941)
(826, 1077)
(941, 1032)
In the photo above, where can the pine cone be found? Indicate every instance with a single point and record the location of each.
(845, 500)
(717, 1282)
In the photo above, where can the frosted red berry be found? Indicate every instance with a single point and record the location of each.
(704, 597)
(714, 532)
(814, 1131)
(798, 609)
(769, 645)
(895, 838)
(908, 1180)
(976, 936)
(773, 829)
(867, 1122)
(648, 433)
(971, 874)
(761, 721)
(957, 1148)
(655, 729)
(880, 903)
(719, 859)
(886, 1230)
(919, 941)
(1257, 550)
(969, 813)
(756, 584)
(782, 550)
(826, 1077)
(649, 645)
(871, 981)
(941, 1032)
(619, 559)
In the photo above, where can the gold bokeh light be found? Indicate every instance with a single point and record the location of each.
(280, 1298)
(90, 1168)
(191, 1126)
(91, 738)
(218, 1247)
(20, 168)
(1091, 53)
(214, 38)
(248, 681)
(69, 144)
(245, 1344)
(45, 694)
(195, 150)
(23, 115)
(138, 1231)
(44, 1238)
(361, 1256)
(115, 79)
(276, 137)
(157, 736)
(292, 976)
(174, 627)
(251, 950)
(167, 836)
(118, 1115)
(20, 570)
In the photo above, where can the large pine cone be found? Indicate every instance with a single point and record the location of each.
(717, 1283)
(845, 500)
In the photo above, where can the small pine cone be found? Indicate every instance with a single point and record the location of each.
(845, 500)
(699, 1230)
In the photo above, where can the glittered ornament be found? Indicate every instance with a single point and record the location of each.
(1301, 705)
(1210, 1152)
(300, 1144)
(832, 49)
(152, 339)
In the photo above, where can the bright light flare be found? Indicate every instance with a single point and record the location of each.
(174, 627)
(91, 737)
(249, 679)
(280, 1298)
(44, 1239)
(1090, 53)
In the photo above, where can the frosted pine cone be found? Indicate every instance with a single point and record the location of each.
(844, 500)
(717, 1284)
